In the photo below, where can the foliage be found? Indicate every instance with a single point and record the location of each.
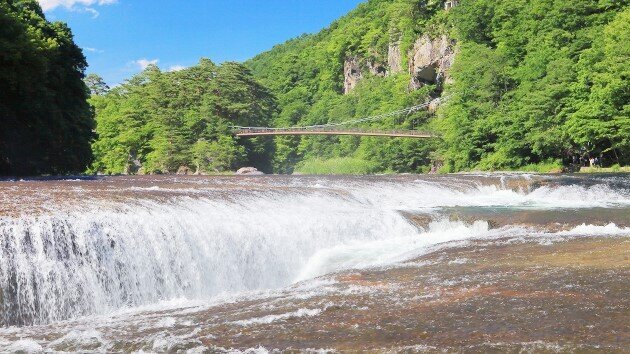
(96, 85)
(45, 121)
(536, 84)
(306, 74)
(536, 81)
(533, 81)
(157, 122)
(337, 165)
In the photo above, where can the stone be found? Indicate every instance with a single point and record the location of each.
(433, 105)
(351, 73)
(184, 170)
(249, 171)
(394, 58)
(430, 60)
(376, 69)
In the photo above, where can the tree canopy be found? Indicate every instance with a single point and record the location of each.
(159, 122)
(534, 82)
(45, 121)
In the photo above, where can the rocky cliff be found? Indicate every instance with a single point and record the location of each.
(429, 62)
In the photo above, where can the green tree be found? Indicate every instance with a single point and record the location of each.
(601, 124)
(96, 85)
(158, 121)
(217, 156)
(45, 121)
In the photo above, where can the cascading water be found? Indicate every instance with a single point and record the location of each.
(93, 249)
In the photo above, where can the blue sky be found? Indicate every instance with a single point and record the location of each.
(119, 37)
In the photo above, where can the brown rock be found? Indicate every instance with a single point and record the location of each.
(248, 171)
(351, 73)
(184, 170)
(394, 58)
(430, 60)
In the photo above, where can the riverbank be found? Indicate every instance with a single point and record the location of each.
(617, 169)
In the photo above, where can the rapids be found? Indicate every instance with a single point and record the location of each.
(74, 248)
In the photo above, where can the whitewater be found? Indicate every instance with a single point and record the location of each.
(71, 249)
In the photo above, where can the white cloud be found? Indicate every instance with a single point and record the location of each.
(92, 11)
(143, 63)
(93, 50)
(176, 68)
(71, 4)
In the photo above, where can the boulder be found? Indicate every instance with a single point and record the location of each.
(184, 170)
(249, 171)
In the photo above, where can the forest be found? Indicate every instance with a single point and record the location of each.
(46, 123)
(534, 85)
(167, 122)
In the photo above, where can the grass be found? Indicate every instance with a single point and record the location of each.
(543, 167)
(613, 169)
(339, 165)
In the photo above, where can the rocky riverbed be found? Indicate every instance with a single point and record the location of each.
(481, 263)
(503, 295)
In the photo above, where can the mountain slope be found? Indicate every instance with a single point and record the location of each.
(533, 82)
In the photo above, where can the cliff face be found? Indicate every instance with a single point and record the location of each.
(430, 61)
(394, 58)
(352, 74)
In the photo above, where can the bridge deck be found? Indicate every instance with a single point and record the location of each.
(247, 132)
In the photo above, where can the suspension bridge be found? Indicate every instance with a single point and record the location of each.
(344, 128)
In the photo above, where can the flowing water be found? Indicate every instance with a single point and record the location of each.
(94, 249)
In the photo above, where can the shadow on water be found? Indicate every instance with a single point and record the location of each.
(53, 178)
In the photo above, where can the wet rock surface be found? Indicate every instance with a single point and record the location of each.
(495, 263)
(547, 220)
(563, 294)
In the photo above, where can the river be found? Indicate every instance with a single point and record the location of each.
(196, 263)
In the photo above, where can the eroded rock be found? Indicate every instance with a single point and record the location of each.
(351, 73)
(249, 171)
(430, 60)
(377, 69)
(394, 58)
(184, 170)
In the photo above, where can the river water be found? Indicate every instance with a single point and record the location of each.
(77, 255)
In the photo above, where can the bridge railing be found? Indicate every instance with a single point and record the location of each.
(323, 129)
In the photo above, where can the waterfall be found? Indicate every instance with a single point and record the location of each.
(97, 258)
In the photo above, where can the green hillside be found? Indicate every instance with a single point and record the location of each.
(525, 85)
(167, 122)
(533, 83)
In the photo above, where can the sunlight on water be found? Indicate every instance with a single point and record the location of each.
(197, 245)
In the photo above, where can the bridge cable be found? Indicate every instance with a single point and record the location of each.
(407, 111)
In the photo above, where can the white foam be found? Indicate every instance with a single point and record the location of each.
(89, 337)
(597, 230)
(110, 258)
(355, 255)
(284, 316)
(25, 346)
